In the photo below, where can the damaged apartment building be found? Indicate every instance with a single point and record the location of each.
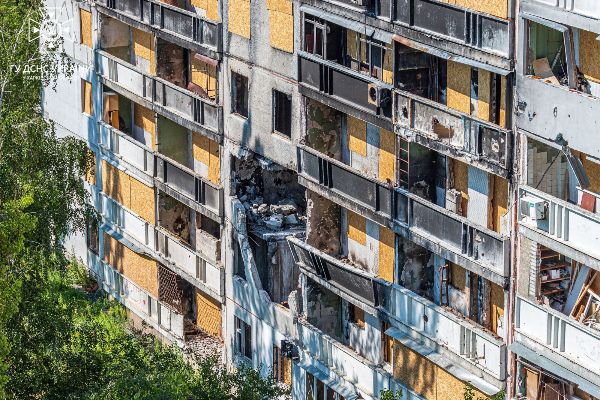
(352, 195)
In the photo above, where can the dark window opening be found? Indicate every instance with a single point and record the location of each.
(92, 237)
(239, 94)
(243, 338)
(420, 73)
(282, 113)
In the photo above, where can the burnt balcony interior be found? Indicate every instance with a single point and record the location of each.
(564, 173)
(192, 228)
(410, 70)
(187, 69)
(127, 43)
(562, 56)
(342, 320)
(380, 155)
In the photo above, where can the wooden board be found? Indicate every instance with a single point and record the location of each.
(239, 18)
(357, 135)
(459, 87)
(85, 25)
(386, 254)
(387, 155)
(281, 31)
(357, 228)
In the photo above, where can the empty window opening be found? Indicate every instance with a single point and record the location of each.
(239, 94)
(174, 217)
(282, 113)
(243, 338)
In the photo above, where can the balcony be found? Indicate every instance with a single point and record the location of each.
(345, 366)
(169, 22)
(558, 338)
(455, 134)
(328, 81)
(123, 147)
(199, 268)
(460, 31)
(170, 176)
(566, 224)
(447, 331)
(176, 103)
(583, 14)
(346, 281)
(156, 314)
(479, 249)
(546, 110)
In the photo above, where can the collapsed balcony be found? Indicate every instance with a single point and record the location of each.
(275, 208)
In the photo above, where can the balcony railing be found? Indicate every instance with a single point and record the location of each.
(352, 281)
(166, 171)
(546, 110)
(164, 96)
(136, 299)
(457, 334)
(586, 8)
(488, 142)
(343, 360)
(563, 222)
(434, 224)
(185, 181)
(559, 334)
(339, 82)
(182, 24)
(126, 148)
(162, 243)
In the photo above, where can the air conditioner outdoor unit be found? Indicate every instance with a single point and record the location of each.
(533, 208)
(361, 3)
(378, 95)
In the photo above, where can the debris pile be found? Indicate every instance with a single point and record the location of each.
(270, 193)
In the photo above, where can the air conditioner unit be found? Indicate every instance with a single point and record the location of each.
(378, 95)
(360, 3)
(533, 208)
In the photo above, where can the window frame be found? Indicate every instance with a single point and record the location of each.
(275, 96)
(237, 109)
(242, 338)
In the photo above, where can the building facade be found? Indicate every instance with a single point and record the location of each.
(351, 195)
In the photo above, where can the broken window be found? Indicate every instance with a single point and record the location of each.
(239, 94)
(176, 292)
(115, 38)
(420, 73)
(535, 383)
(546, 56)
(86, 98)
(174, 217)
(387, 343)
(317, 390)
(282, 367)
(416, 271)
(173, 62)
(203, 79)
(282, 113)
(369, 56)
(91, 235)
(324, 309)
(239, 268)
(208, 225)
(243, 338)
(323, 39)
(356, 316)
(173, 141)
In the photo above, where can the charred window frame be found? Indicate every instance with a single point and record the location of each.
(567, 50)
(420, 73)
(282, 113)
(315, 36)
(368, 57)
(239, 94)
(243, 338)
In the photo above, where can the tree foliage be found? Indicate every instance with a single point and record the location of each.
(55, 341)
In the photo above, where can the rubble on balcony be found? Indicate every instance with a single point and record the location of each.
(271, 195)
(174, 216)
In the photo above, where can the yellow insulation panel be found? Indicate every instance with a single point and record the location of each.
(387, 155)
(497, 304)
(142, 200)
(144, 118)
(87, 103)
(239, 17)
(214, 165)
(283, 6)
(503, 88)
(85, 26)
(209, 314)
(205, 76)
(386, 253)
(460, 172)
(499, 201)
(115, 183)
(388, 67)
(143, 46)
(459, 87)
(357, 228)
(589, 55)
(492, 7)
(357, 135)
(129, 192)
(281, 30)
(484, 94)
(141, 270)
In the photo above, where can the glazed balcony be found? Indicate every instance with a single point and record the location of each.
(169, 22)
